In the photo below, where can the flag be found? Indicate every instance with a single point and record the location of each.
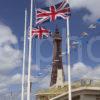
(84, 34)
(40, 32)
(98, 20)
(75, 42)
(92, 26)
(61, 10)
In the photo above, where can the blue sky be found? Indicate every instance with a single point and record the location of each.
(11, 43)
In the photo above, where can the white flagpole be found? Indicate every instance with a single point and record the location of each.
(29, 59)
(24, 52)
(69, 64)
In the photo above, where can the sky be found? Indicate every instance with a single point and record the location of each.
(85, 56)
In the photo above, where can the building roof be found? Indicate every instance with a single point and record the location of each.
(76, 86)
(85, 90)
(85, 86)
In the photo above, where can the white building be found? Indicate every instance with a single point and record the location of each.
(85, 89)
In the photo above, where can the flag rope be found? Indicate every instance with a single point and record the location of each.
(24, 52)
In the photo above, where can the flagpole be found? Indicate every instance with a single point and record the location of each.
(29, 59)
(24, 51)
(69, 64)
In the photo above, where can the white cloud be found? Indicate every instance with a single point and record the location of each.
(80, 71)
(51, 2)
(6, 35)
(16, 79)
(91, 5)
(45, 82)
(35, 68)
(10, 57)
(6, 81)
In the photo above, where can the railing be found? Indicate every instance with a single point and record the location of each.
(75, 85)
(86, 83)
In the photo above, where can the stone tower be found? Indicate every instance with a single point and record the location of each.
(57, 75)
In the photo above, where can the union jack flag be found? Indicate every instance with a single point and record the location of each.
(40, 32)
(61, 10)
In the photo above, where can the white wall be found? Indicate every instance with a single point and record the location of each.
(87, 97)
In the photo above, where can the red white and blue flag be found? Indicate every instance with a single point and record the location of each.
(61, 10)
(40, 32)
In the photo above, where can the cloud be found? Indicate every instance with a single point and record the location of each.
(16, 79)
(10, 57)
(45, 82)
(6, 35)
(9, 80)
(42, 76)
(35, 68)
(5, 82)
(51, 2)
(80, 70)
(91, 5)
